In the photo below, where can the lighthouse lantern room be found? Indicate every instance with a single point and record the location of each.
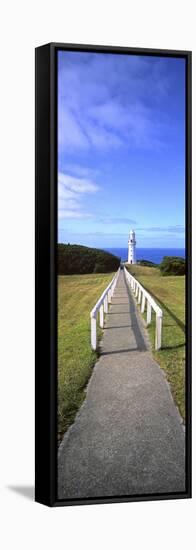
(132, 248)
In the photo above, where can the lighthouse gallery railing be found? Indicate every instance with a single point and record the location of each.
(144, 297)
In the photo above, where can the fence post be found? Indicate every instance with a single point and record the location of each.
(143, 303)
(158, 331)
(101, 317)
(142, 298)
(94, 333)
(106, 304)
(139, 296)
(149, 311)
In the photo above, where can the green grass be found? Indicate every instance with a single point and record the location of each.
(169, 293)
(77, 294)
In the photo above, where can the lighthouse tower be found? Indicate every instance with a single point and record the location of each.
(132, 248)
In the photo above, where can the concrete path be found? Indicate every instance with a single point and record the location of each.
(127, 438)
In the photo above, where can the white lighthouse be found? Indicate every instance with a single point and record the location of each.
(132, 248)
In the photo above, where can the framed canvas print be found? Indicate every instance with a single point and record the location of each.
(113, 274)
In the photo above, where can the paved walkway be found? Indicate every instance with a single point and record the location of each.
(127, 438)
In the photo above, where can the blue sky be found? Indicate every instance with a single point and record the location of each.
(121, 149)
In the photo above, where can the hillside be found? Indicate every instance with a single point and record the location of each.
(77, 259)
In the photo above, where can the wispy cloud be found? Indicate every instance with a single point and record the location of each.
(70, 193)
(163, 229)
(107, 102)
(95, 234)
(77, 185)
(78, 170)
(116, 220)
(68, 213)
(121, 125)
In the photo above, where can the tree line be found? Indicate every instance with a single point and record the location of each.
(78, 259)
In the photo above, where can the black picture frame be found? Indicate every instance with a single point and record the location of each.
(46, 272)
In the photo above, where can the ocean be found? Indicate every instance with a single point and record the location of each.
(152, 254)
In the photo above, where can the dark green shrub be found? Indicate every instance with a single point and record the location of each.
(99, 268)
(147, 263)
(173, 265)
(73, 259)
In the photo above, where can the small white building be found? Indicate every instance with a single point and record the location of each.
(132, 248)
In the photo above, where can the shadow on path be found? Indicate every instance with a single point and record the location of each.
(141, 344)
(119, 351)
(119, 326)
(176, 319)
(173, 347)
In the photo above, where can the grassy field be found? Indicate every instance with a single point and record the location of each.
(169, 293)
(77, 294)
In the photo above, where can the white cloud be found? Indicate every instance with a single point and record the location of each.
(102, 138)
(64, 193)
(78, 185)
(70, 194)
(163, 229)
(72, 204)
(105, 102)
(81, 171)
(73, 214)
(70, 133)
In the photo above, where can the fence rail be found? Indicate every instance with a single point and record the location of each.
(143, 297)
(102, 307)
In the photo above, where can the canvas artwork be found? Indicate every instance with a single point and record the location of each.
(121, 275)
(113, 274)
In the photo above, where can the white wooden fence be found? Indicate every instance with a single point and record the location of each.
(143, 297)
(102, 307)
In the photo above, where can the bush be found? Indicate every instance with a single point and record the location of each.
(73, 259)
(173, 265)
(147, 263)
(99, 268)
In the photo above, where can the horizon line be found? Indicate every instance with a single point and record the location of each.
(149, 247)
(126, 247)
